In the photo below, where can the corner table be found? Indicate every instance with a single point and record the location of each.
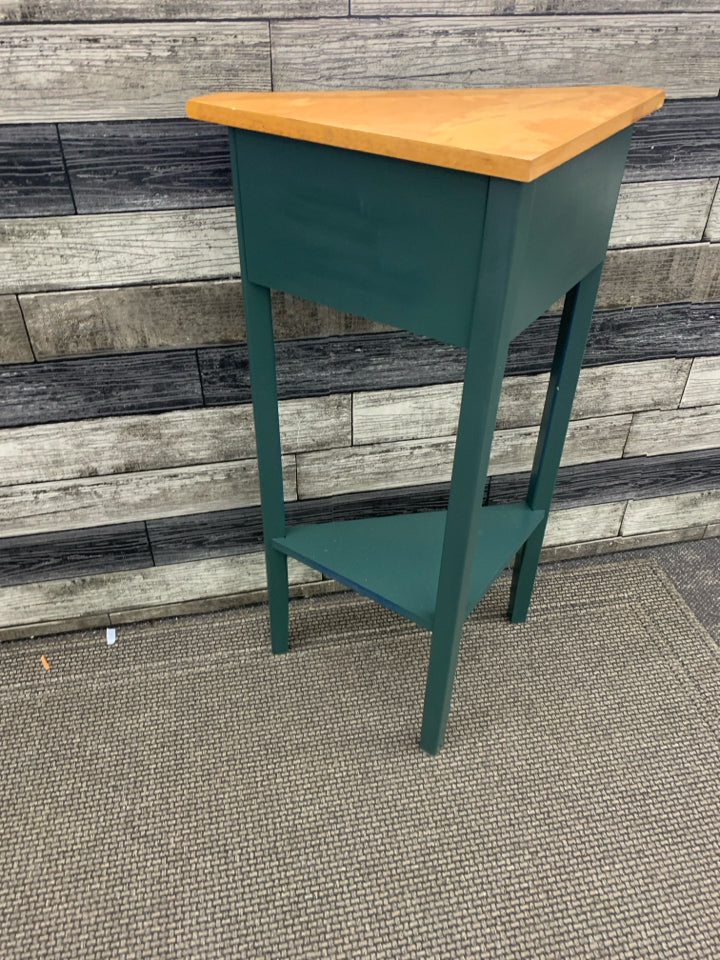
(460, 215)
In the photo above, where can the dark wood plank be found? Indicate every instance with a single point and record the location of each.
(616, 480)
(147, 165)
(98, 387)
(679, 141)
(33, 182)
(73, 553)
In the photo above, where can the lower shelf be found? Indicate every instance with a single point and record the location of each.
(396, 560)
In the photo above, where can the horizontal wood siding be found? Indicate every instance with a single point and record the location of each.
(126, 71)
(129, 484)
(677, 51)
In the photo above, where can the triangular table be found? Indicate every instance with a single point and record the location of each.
(456, 214)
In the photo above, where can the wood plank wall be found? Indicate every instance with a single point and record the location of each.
(129, 486)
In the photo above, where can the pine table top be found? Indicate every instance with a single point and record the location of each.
(516, 133)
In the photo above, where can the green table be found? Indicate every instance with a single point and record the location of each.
(459, 215)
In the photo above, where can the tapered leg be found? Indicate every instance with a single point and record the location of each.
(261, 357)
(572, 337)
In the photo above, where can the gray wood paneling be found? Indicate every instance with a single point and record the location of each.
(670, 431)
(14, 343)
(127, 71)
(166, 315)
(679, 141)
(669, 513)
(58, 451)
(146, 165)
(415, 412)
(598, 548)
(108, 592)
(126, 497)
(32, 175)
(577, 524)
(663, 274)
(63, 11)
(74, 553)
(713, 225)
(379, 466)
(672, 211)
(53, 253)
(79, 389)
(448, 8)
(703, 385)
(677, 51)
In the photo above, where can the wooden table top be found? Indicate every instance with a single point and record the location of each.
(516, 133)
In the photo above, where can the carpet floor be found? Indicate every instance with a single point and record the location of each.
(184, 793)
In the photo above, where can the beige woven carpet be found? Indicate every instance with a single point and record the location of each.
(186, 794)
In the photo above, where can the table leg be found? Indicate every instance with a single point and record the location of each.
(263, 382)
(569, 350)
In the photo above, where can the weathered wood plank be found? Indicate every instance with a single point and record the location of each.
(107, 592)
(386, 465)
(578, 524)
(469, 8)
(412, 413)
(98, 387)
(712, 231)
(104, 72)
(64, 11)
(679, 141)
(166, 315)
(126, 497)
(663, 274)
(146, 165)
(52, 253)
(703, 385)
(712, 530)
(670, 513)
(59, 451)
(14, 344)
(32, 175)
(599, 548)
(662, 212)
(615, 480)
(74, 553)
(675, 51)
(671, 431)
(706, 283)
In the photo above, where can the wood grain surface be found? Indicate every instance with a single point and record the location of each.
(146, 165)
(670, 431)
(125, 497)
(120, 70)
(84, 388)
(63, 11)
(447, 8)
(113, 445)
(679, 141)
(677, 51)
(670, 211)
(713, 225)
(14, 343)
(668, 513)
(703, 385)
(33, 181)
(109, 592)
(53, 253)
(517, 133)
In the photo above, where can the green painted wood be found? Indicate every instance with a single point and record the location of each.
(394, 241)
(566, 232)
(263, 385)
(572, 337)
(396, 560)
